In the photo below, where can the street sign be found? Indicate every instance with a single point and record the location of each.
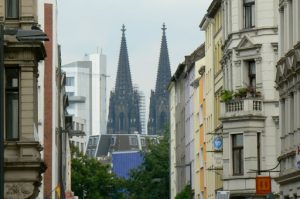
(263, 185)
(218, 143)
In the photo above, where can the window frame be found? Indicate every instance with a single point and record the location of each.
(12, 90)
(7, 11)
(249, 9)
(240, 150)
(70, 81)
(251, 75)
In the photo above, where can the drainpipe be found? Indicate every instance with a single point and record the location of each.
(2, 131)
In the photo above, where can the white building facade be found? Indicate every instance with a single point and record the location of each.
(79, 89)
(250, 116)
(98, 93)
(287, 80)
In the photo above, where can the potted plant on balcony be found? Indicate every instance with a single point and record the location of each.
(252, 92)
(226, 95)
(241, 93)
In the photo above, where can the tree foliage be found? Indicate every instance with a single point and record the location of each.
(185, 193)
(91, 179)
(151, 179)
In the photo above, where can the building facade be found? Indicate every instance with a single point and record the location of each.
(124, 115)
(159, 114)
(98, 94)
(213, 85)
(198, 124)
(79, 89)
(23, 164)
(250, 110)
(287, 80)
(183, 93)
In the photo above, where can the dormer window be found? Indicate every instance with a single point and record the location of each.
(249, 13)
(12, 9)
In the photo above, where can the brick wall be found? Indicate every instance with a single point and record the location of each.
(48, 80)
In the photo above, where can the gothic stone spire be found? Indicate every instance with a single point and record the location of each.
(124, 115)
(123, 81)
(159, 101)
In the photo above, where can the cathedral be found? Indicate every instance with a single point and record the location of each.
(159, 114)
(124, 114)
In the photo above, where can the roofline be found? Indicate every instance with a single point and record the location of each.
(213, 8)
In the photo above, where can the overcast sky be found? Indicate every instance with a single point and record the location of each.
(87, 25)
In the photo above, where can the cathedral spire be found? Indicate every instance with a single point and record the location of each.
(123, 81)
(124, 113)
(163, 72)
(159, 100)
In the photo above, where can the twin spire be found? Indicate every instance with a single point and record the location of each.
(124, 111)
(124, 81)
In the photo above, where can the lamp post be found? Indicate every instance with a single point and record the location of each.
(21, 36)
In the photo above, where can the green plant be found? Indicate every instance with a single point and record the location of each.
(226, 96)
(186, 193)
(242, 92)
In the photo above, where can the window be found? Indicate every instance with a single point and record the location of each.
(133, 141)
(238, 154)
(162, 120)
(249, 13)
(70, 81)
(252, 73)
(70, 94)
(143, 142)
(113, 140)
(12, 9)
(82, 147)
(12, 103)
(201, 114)
(121, 121)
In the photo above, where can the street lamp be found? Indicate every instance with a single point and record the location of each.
(22, 36)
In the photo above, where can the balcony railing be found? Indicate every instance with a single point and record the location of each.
(242, 107)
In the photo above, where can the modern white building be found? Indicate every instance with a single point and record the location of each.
(250, 116)
(98, 92)
(287, 80)
(86, 88)
(79, 91)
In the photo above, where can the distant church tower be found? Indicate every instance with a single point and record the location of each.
(159, 116)
(123, 117)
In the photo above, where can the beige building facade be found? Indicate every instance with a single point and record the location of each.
(212, 25)
(23, 163)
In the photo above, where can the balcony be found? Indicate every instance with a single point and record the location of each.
(242, 107)
(77, 99)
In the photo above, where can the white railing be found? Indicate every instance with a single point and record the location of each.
(242, 106)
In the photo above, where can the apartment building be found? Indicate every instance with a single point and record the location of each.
(287, 80)
(213, 86)
(22, 161)
(250, 105)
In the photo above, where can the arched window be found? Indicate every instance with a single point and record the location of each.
(162, 120)
(121, 121)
